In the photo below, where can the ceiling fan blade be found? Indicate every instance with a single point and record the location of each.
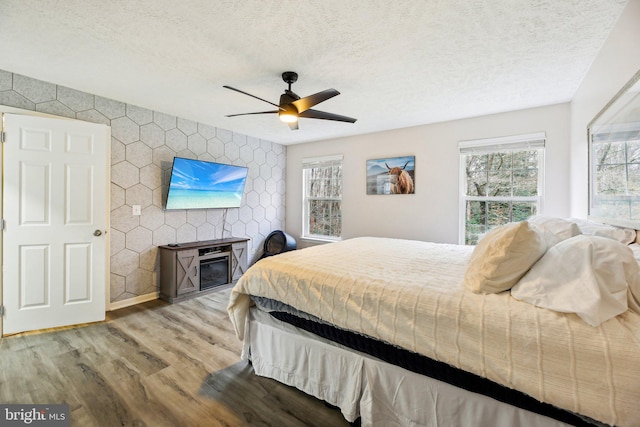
(303, 104)
(253, 96)
(293, 126)
(315, 114)
(247, 114)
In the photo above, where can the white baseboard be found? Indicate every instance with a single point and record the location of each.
(133, 301)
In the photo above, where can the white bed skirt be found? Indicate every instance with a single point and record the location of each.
(379, 393)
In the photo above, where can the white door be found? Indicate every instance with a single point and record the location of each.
(54, 206)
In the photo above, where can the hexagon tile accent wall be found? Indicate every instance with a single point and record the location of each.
(143, 145)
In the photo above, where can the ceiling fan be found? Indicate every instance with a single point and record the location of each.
(292, 107)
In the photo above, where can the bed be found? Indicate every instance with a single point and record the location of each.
(388, 331)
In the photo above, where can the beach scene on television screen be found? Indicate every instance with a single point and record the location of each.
(205, 185)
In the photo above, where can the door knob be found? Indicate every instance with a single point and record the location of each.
(97, 233)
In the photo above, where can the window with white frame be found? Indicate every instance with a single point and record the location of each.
(614, 159)
(614, 163)
(501, 181)
(322, 194)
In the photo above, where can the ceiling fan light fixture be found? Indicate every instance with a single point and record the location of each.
(288, 117)
(288, 114)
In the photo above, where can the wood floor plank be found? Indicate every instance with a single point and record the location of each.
(128, 383)
(154, 364)
(97, 397)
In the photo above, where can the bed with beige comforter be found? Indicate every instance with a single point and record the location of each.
(411, 294)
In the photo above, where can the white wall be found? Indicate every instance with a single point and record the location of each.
(617, 62)
(432, 212)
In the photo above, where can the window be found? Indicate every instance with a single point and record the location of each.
(615, 164)
(614, 159)
(322, 192)
(501, 181)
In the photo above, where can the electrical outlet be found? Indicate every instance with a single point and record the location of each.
(136, 210)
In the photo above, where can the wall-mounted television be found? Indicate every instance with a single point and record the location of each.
(198, 184)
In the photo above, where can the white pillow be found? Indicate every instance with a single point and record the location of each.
(633, 298)
(502, 257)
(623, 235)
(586, 275)
(555, 230)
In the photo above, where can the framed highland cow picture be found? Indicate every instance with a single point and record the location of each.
(392, 175)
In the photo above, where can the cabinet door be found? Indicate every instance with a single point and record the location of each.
(187, 271)
(238, 260)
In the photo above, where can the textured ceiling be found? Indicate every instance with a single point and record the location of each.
(396, 63)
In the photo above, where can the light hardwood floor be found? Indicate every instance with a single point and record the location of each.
(154, 364)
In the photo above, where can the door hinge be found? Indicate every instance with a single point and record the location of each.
(1, 310)
(3, 136)
(2, 223)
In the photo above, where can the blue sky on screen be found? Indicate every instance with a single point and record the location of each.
(201, 175)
